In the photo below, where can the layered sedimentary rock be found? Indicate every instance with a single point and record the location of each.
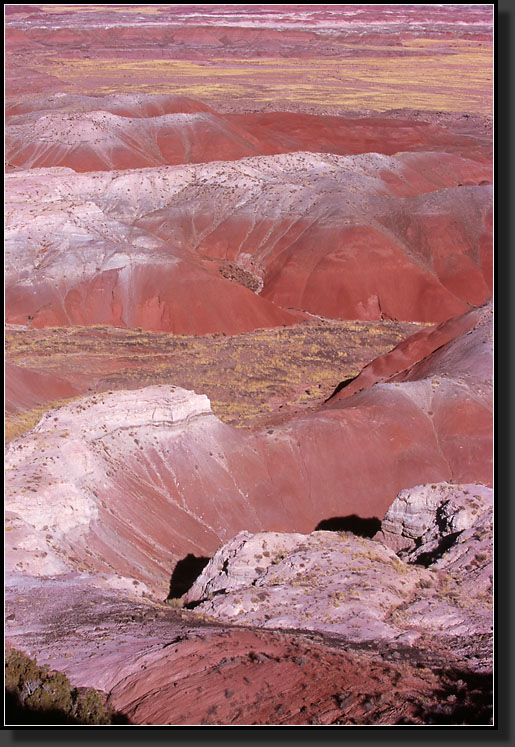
(344, 135)
(122, 105)
(100, 140)
(408, 353)
(26, 388)
(162, 666)
(396, 640)
(272, 188)
(326, 234)
(451, 383)
(446, 527)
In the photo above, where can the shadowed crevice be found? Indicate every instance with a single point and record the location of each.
(428, 558)
(352, 523)
(185, 574)
(341, 386)
(465, 698)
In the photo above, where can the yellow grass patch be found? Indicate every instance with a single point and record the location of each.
(457, 81)
(247, 377)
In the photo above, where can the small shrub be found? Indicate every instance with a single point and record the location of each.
(399, 566)
(175, 602)
(34, 690)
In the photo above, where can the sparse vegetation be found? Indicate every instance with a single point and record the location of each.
(175, 602)
(276, 79)
(248, 377)
(399, 566)
(49, 697)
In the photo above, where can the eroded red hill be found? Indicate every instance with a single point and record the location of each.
(89, 133)
(233, 247)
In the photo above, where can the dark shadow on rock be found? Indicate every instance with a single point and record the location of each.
(354, 524)
(428, 558)
(185, 574)
(465, 699)
(340, 386)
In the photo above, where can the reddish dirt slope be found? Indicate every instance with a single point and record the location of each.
(186, 300)
(334, 248)
(345, 237)
(164, 666)
(86, 134)
(407, 354)
(280, 132)
(128, 105)
(249, 677)
(100, 140)
(25, 388)
(447, 372)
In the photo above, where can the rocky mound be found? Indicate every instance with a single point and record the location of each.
(123, 105)
(358, 588)
(77, 262)
(100, 140)
(409, 639)
(209, 674)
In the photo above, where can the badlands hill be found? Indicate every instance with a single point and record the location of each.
(165, 450)
(133, 458)
(329, 235)
(92, 133)
(248, 287)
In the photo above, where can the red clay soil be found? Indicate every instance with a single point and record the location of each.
(283, 132)
(405, 355)
(164, 666)
(162, 298)
(26, 388)
(290, 479)
(448, 373)
(248, 677)
(260, 31)
(417, 258)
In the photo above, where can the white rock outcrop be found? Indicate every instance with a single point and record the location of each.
(360, 588)
(423, 517)
(58, 474)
